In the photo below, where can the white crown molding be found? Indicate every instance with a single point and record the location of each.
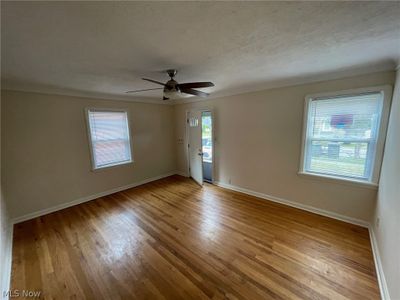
(289, 82)
(90, 96)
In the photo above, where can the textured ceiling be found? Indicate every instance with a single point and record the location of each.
(104, 48)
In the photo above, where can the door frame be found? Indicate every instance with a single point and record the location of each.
(203, 109)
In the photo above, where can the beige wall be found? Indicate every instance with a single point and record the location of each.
(387, 232)
(46, 157)
(258, 137)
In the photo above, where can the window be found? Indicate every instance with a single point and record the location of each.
(344, 134)
(109, 137)
(206, 136)
(193, 122)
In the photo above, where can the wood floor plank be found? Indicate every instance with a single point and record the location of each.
(171, 239)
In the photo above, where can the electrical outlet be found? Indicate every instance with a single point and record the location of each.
(377, 222)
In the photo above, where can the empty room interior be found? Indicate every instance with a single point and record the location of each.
(200, 150)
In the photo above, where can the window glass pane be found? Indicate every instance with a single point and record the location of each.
(342, 134)
(110, 138)
(338, 158)
(206, 137)
(354, 117)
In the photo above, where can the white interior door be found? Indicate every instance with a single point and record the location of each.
(195, 147)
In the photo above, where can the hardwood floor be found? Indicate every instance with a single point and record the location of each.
(171, 239)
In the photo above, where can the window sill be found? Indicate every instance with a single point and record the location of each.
(98, 169)
(340, 180)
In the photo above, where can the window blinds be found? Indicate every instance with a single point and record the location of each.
(109, 134)
(342, 134)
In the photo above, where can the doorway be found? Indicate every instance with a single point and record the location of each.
(200, 137)
(195, 153)
(207, 145)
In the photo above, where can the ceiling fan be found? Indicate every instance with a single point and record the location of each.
(173, 89)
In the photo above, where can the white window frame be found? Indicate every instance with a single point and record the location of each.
(93, 163)
(375, 159)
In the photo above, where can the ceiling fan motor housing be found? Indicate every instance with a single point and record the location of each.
(171, 85)
(173, 90)
(171, 73)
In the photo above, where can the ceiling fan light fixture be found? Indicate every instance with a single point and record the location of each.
(174, 90)
(173, 94)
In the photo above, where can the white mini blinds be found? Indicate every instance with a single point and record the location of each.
(341, 136)
(109, 138)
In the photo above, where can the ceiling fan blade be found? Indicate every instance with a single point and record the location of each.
(194, 92)
(144, 90)
(154, 81)
(191, 85)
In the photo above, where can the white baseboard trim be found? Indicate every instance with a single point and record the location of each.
(6, 268)
(384, 291)
(184, 174)
(295, 204)
(85, 199)
(378, 264)
(383, 288)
